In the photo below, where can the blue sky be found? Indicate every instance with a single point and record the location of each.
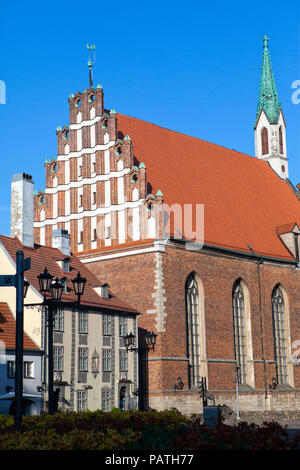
(189, 66)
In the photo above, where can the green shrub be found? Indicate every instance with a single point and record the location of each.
(135, 430)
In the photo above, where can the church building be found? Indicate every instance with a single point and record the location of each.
(202, 240)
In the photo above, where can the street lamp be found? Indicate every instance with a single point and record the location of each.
(25, 288)
(45, 280)
(55, 289)
(129, 341)
(79, 285)
(150, 341)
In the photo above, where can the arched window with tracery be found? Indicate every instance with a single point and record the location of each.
(264, 141)
(280, 340)
(193, 336)
(238, 306)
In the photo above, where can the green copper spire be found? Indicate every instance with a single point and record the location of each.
(268, 98)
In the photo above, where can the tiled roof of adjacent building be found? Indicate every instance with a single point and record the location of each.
(44, 256)
(8, 330)
(244, 199)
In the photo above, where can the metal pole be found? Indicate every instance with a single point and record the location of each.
(237, 393)
(141, 379)
(50, 359)
(19, 338)
(205, 390)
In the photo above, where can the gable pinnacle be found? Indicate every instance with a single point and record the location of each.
(268, 98)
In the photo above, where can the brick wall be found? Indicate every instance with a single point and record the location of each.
(135, 279)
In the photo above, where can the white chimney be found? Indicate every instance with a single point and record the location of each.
(22, 209)
(61, 240)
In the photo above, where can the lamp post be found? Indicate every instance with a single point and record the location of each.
(150, 340)
(55, 289)
(21, 285)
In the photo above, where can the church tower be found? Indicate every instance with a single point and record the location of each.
(270, 129)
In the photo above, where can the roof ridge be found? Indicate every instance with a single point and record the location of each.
(186, 135)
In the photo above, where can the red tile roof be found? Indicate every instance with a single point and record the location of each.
(244, 199)
(8, 329)
(44, 256)
(286, 228)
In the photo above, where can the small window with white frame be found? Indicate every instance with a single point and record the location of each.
(122, 326)
(11, 369)
(28, 370)
(123, 360)
(81, 400)
(82, 359)
(58, 358)
(82, 322)
(106, 360)
(106, 325)
(59, 319)
(106, 400)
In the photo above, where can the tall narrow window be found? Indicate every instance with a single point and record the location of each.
(106, 400)
(192, 311)
(59, 320)
(106, 325)
(122, 326)
(106, 360)
(279, 335)
(81, 400)
(11, 369)
(82, 322)
(28, 370)
(123, 360)
(280, 141)
(264, 142)
(58, 358)
(238, 305)
(82, 359)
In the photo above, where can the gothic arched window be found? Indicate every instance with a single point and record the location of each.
(278, 311)
(280, 141)
(192, 312)
(238, 306)
(264, 141)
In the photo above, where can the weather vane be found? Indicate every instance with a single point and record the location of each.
(90, 48)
